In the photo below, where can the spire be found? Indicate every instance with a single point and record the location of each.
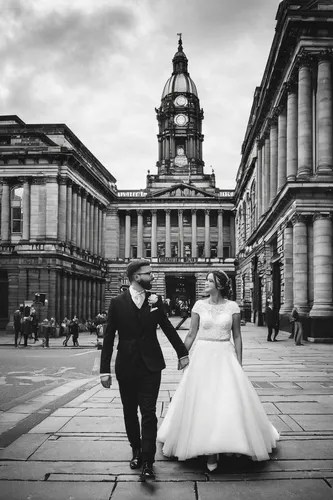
(180, 59)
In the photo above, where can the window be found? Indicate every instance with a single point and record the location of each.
(226, 252)
(161, 249)
(213, 250)
(188, 249)
(134, 252)
(16, 209)
(174, 249)
(147, 220)
(201, 249)
(187, 218)
(213, 218)
(147, 249)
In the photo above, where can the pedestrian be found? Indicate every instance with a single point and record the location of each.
(34, 324)
(26, 329)
(297, 326)
(271, 321)
(45, 327)
(184, 312)
(215, 408)
(17, 325)
(74, 331)
(135, 314)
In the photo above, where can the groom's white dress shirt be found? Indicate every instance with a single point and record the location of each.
(137, 297)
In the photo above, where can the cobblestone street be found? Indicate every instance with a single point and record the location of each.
(80, 450)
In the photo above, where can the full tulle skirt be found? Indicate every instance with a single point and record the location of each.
(215, 409)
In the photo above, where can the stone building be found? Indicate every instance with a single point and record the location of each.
(54, 194)
(68, 233)
(181, 221)
(284, 193)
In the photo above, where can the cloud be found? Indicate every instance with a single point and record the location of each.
(100, 67)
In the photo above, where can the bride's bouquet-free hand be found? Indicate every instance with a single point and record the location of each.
(152, 300)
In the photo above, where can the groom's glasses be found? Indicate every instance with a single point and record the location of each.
(150, 274)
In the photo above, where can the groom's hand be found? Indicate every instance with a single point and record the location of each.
(183, 362)
(106, 381)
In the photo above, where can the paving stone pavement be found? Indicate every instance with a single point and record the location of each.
(80, 451)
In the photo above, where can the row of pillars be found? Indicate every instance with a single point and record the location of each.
(80, 296)
(167, 214)
(296, 265)
(67, 211)
(286, 149)
(167, 147)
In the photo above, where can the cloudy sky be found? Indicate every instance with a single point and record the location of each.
(100, 66)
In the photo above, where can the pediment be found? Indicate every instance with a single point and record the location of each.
(182, 190)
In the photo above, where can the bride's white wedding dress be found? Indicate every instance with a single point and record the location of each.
(215, 408)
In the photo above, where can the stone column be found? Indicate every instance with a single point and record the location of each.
(181, 233)
(167, 233)
(93, 298)
(79, 219)
(100, 230)
(103, 232)
(75, 296)
(160, 149)
(323, 274)
(300, 258)
(91, 225)
(259, 178)
(5, 211)
(37, 208)
(26, 210)
(74, 214)
(87, 245)
(127, 234)
(83, 219)
(304, 120)
(70, 295)
(207, 234)
(267, 174)
(282, 150)
(324, 116)
(52, 197)
(140, 233)
(220, 233)
(292, 131)
(273, 161)
(232, 235)
(154, 233)
(62, 215)
(84, 299)
(288, 270)
(64, 298)
(194, 233)
(96, 228)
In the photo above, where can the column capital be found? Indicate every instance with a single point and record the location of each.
(168, 211)
(325, 55)
(220, 211)
(128, 213)
(139, 211)
(194, 211)
(299, 218)
(305, 60)
(322, 215)
(51, 180)
(5, 181)
(207, 211)
(260, 142)
(62, 180)
(84, 193)
(290, 86)
(180, 211)
(69, 182)
(154, 211)
(75, 188)
(38, 181)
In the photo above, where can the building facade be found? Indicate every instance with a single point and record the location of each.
(68, 233)
(54, 197)
(181, 221)
(284, 192)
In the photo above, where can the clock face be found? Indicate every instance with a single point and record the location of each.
(181, 120)
(180, 150)
(181, 100)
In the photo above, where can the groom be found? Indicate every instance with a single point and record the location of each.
(135, 314)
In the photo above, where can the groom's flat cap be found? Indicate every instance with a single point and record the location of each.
(135, 265)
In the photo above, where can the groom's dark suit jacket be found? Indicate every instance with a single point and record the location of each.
(137, 335)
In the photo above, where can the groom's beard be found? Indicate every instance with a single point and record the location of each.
(146, 285)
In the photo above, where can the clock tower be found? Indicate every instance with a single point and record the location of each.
(180, 137)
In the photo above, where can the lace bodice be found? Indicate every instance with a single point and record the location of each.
(215, 319)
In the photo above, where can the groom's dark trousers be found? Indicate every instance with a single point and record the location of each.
(139, 364)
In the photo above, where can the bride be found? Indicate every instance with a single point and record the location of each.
(215, 408)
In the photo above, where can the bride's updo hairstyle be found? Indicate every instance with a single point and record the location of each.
(222, 283)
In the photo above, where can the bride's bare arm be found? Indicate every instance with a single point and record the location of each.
(236, 331)
(192, 333)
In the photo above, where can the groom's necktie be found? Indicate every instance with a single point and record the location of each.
(139, 298)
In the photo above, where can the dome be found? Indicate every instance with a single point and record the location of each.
(180, 82)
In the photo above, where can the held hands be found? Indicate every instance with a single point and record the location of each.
(106, 381)
(183, 362)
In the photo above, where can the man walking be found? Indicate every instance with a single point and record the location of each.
(135, 314)
(17, 324)
(271, 321)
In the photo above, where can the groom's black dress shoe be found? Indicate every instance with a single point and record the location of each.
(147, 471)
(136, 461)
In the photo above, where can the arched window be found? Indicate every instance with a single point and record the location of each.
(16, 205)
(253, 205)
